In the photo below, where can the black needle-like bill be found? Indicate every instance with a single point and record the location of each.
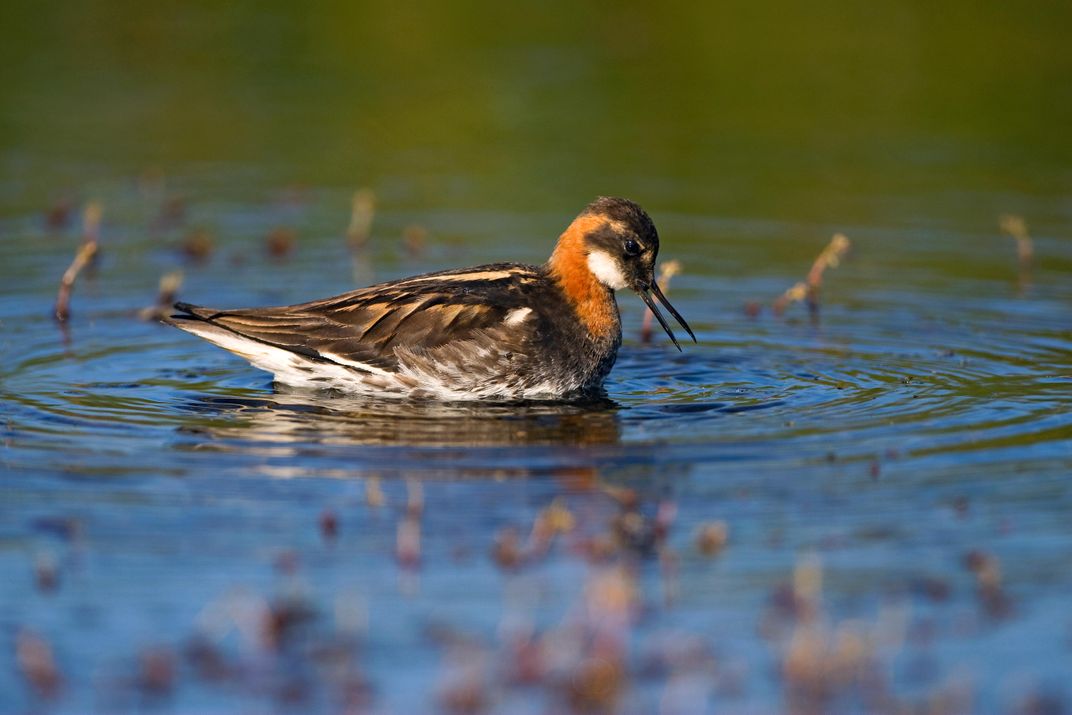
(646, 297)
(677, 316)
(663, 299)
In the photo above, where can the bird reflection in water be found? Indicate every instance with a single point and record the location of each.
(296, 416)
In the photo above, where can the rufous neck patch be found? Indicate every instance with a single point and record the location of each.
(591, 300)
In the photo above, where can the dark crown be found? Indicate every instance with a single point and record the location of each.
(626, 212)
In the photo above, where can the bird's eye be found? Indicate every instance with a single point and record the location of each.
(632, 248)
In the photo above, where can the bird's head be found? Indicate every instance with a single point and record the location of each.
(620, 245)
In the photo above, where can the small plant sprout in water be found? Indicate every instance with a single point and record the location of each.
(1016, 227)
(408, 534)
(57, 217)
(329, 525)
(37, 664)
(990, 590)
(808, 289)
(197, 245)
(362, 211)
(415, 240)
(359, 232)
(279, 243)
(711, 537)
(170, 283)
(374, 496)
(86, 253)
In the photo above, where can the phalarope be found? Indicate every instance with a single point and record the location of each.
(500, 331)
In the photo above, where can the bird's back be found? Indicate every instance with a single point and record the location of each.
(497, 330)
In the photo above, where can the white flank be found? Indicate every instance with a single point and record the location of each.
(517, 316)
(443, 382)
(293, 369)
(606, 270)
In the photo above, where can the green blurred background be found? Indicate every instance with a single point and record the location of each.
(824, 111)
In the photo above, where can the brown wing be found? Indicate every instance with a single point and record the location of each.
(367, 325)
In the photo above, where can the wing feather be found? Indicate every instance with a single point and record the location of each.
(370, 325)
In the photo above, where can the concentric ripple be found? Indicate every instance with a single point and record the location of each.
(918, 424)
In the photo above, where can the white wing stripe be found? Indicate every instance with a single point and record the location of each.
(355, 364)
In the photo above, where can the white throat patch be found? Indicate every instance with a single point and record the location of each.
(606, 270)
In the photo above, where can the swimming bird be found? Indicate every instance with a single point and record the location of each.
(503, 331)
